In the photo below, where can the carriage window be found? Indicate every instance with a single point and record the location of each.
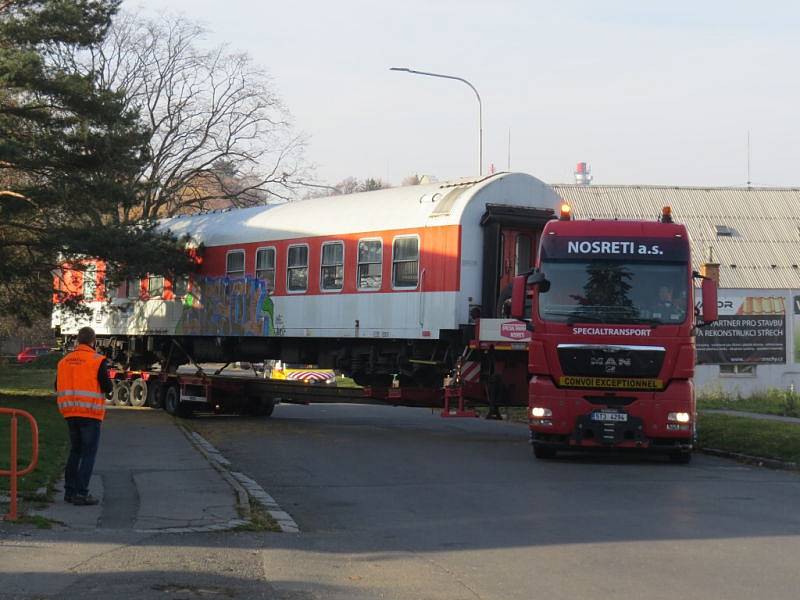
(90, 282)
(155, 286)
(180, 287)
(332, 275)
(523, 254)
(265, 266)
(234, 263)
(297, 269)
(370, 264)
(133, 288)
(405, 262)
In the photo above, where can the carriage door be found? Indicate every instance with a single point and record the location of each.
(511, 238)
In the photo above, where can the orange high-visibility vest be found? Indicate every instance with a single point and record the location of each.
(79, 393)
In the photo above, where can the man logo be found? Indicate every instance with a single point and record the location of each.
(610, 364)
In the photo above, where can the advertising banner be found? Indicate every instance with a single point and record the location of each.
(751, 329)
(796, 303)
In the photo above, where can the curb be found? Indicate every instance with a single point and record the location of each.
(770, 463)
(220, 464)
(245, 487)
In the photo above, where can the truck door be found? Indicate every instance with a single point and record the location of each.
(511, 238)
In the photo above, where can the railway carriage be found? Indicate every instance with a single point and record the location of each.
(380, 285)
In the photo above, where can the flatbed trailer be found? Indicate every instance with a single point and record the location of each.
(492, 371)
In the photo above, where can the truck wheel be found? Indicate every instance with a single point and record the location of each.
(680, 458)
(121, 395)
(543, 451)
(138, 393)
(172, 400)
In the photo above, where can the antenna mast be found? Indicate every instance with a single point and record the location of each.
(748, 158)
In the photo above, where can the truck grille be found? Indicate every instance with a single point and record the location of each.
(610, 360)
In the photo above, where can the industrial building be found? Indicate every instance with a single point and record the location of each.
(751, 236)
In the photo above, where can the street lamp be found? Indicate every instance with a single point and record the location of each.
(477, 95)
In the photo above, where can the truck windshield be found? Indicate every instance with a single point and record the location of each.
(610, 291)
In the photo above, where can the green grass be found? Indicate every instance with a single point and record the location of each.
(19, 380)
(765, 439)
(260, 519)
(345, 382)
(32, 390)
(770, 402)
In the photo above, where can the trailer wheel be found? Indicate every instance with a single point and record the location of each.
(680, 458)
(138, 393)
(121, 395)
(172, 400)
(543, 452)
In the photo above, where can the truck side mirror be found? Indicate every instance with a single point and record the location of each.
(518, 297)
(538, 278)
(710, 309)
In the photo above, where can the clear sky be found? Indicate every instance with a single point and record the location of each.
(646, 92)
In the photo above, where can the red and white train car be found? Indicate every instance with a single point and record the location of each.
(377, 284)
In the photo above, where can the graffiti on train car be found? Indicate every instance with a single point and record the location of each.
(239, 306)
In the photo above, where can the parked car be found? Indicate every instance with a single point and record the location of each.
(31, 353)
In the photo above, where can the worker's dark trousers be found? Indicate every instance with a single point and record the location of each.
(84, 438)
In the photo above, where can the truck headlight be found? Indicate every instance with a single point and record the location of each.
(538, 412)
(678, 417)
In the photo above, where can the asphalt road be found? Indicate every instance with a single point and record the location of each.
(399, 503)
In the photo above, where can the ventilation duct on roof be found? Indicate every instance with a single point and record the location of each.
(724, 231)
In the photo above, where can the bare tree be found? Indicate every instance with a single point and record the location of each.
(219, 131)
(348, 185)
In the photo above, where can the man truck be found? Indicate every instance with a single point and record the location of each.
(610, 361)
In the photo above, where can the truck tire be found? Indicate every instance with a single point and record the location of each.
(172, 400)
(543, 452)
(121, 396)
(138, 392)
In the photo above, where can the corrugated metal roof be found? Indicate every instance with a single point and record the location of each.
(763, 250)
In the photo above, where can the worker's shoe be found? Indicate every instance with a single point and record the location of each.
(87, 500)
(69, 498)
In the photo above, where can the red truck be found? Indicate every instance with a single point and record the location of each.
(611, 306)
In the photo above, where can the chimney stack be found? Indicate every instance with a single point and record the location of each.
(583, 174)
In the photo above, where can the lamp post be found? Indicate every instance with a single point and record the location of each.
(477, 95)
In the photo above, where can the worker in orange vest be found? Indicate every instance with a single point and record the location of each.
(82, 383)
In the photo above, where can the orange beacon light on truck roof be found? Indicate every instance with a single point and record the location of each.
(566, 212)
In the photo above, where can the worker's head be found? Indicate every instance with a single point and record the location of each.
(665, 293)
(86, 336)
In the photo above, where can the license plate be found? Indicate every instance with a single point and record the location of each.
(616, 417)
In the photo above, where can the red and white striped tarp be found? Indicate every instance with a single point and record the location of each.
(470, 371)
(309, 375)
